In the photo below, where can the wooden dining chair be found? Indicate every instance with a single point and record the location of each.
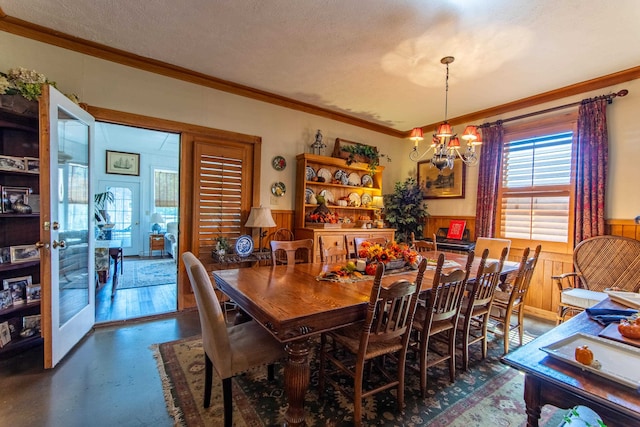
(385, 331)
(439, 318)
(476, 306)
(291, 252)
(511, 302)
(331, 254)
(230, 351)
(357, 242)
(424, 245)
(494, 245)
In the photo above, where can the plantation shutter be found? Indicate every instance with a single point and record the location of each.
(536, 188)
(222, 193)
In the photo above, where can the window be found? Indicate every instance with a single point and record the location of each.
(536, 196)
(166, 185)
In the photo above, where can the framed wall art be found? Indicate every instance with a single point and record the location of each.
(24, 253)
(9, 163)
(445, 184)
(11, 195)
(120, 163)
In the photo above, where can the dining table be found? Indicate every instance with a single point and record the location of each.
(294, 304)
(557, 382)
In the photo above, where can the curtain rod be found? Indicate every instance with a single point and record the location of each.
(608, 97)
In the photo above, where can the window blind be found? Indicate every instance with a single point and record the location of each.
(166, 189)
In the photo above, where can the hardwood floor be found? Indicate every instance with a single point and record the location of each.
(133, 303)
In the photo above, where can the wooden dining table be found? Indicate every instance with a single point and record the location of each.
(293, 305)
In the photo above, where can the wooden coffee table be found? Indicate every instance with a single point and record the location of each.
(554, 382)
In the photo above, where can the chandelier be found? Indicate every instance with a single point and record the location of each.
(445, 145)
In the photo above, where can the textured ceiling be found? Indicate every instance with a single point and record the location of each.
(378, 60)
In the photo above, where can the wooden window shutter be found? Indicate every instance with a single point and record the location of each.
(222, 192)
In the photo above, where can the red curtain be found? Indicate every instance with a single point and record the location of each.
(591, 169)
(488, 175)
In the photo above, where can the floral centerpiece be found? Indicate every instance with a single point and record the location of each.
(393, 255)
(322, 214)
(27, 83)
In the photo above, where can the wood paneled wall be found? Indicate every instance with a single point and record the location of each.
(543, 297)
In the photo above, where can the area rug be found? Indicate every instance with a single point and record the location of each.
(142, 273)
(490, 394)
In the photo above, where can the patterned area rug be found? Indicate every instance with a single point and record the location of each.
(142, 273)
(490, 394)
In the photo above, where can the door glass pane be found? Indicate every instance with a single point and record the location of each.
(73, 213)
(121, 214)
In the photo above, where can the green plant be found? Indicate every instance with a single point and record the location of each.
(100, 199)
(405, 209)
(368, 152)
(27, 83)
(222, 245)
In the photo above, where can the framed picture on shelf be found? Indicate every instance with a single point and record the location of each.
(18, 288)
(24, 253)
(5, 255)
(31, 322)
(5, 334)
(11, 195)
(121, 163)
(32, 164)
(9, 163)
(5, 299)
(442, 184)
(33, 293)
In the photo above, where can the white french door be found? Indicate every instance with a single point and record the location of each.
(67, 232)
(124, 214)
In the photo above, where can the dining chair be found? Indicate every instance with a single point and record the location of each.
(385, 331)
(476, 306)
(438, 318)
(291, 252)
(331, 254)
(510, 302)
(424, 245)
(232, 350)
(357, 241)
(494, 245)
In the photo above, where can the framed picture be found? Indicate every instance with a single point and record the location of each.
(120, 163)
(32, 164)
(18, 288)
(5, 299)
(8, 163)
(447, 184)
(31, 322)
(11, 195)
(5, 255)
(5, 334)
(24, 253)
(33, 293)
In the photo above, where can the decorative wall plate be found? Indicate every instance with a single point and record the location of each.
(307, 195)
(367, 181)
(341, 176)
(278, 189)
(325, 173)
(366, 199)
(279, 163)
(310, 173)
(354, 200)
(354, 179)
(328, 196)
(244, 245)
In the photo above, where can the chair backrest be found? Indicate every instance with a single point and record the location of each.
(495, 246)
(523, 276)
(423, 245)
(331, 254)
(282, 234)
(607, 262)
(446, 294)
(215, 338)
(294, 250)
(391, 310)
(486, 281)
(357, 241)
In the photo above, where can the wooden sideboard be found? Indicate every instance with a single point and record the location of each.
(338, 236)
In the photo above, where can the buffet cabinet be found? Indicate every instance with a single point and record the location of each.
(348, 191)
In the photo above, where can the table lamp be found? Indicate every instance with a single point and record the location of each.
(260, 217)
(156, 218)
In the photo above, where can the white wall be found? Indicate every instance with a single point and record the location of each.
(287, 132)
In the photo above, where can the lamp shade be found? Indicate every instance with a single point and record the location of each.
(157, 218)
(260, 217)
(378, 202)
(444, 130)
(416, 134)
(470, 133)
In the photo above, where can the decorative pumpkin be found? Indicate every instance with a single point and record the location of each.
(630, 328)
(584, 355)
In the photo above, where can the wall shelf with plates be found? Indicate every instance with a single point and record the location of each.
(348, 186)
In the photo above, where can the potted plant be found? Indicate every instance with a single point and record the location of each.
(405, 209)
(99, 202)
(366, 153)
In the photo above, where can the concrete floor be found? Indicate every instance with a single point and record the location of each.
(110, 379)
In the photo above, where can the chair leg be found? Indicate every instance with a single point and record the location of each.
(465, 344)
(507, 329)
(485, 327)
(323, 343)
(521, 323)
(424, 344)
(228, 402)
(271, 372)
(357, 394)
(452, 355)
(208, 378)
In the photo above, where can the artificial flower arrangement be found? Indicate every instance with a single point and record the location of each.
(28, 83)
(389, 253)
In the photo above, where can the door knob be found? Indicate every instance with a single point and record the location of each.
(40, 245)
(61, 244)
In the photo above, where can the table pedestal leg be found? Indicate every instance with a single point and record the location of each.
(296, 381)
(532, 400)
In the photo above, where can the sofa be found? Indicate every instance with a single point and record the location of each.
(171, 240)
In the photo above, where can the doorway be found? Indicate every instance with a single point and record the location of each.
(145, 282)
